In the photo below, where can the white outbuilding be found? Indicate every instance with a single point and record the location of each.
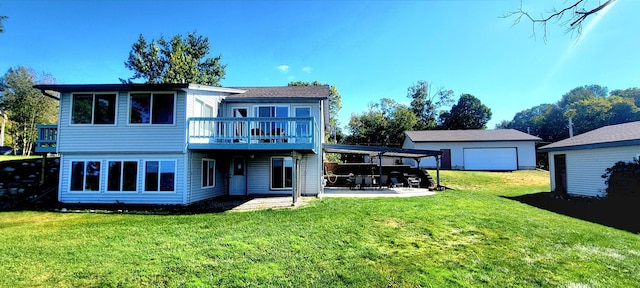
(576, 164)
(489, 150)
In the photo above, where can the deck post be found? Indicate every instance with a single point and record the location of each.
(438, 171)
(380, 170)
(43, 169)
(295, 189)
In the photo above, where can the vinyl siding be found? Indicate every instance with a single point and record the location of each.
(311, 181)
(586, 167)
(122, 137)
(259, 173)
(194, 177)
(138, 197)
(212, 99)
(526, 152)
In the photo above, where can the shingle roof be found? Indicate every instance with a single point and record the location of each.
(607, 136)
(283, 92)
(321, 92)
(470, 135)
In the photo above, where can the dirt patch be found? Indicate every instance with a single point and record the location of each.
(618, 214)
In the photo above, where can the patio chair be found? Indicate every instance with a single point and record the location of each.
(351, 181)
(414, 182)
(395, 183)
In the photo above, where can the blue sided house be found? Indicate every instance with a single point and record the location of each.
(182, 143)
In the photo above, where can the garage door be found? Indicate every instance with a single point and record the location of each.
(490, 159)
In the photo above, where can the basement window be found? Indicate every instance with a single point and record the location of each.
(85, 176)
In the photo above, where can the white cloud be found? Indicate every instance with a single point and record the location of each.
(283, 68)
(307, 69)
(291, 78)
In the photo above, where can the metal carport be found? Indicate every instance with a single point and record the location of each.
(416, 154)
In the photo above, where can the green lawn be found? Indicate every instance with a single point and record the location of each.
(464, 237)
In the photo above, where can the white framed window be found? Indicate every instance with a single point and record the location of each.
(122, 176)
(202, 109)
(160, 176)
(303, 128)
(85, 176)
(208, 173)
(271, 111)
(152, 108)
(93, 108)
(281, 173)
(271, 127)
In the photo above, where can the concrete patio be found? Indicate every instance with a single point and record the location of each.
(376, 192)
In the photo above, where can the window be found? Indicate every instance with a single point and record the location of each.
(159, 175)
(85, 176)
(208, 173)
(93, 109)
(202, 110)
(272, 127)
(271, 111)
(204, 127)
(151, 108)
(122, 176)
(281, 172)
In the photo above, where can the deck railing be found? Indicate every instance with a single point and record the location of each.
(47, 138)
(255, 132)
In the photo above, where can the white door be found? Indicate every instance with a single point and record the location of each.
(238, 177)
(303, 128)
(240, 128)
(491, 159)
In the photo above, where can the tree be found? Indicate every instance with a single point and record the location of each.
(26, 106)
(426, 103)
(623, 110)
(383, 124)
(335, 104)
(582, 93)
(633, 93)
(2, 18)
(179, 60)
(468, 113)
(545, 121)
(572, 15)
(591, 113)
(589, 106)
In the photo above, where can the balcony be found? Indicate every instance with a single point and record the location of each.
(47, 138)
(253, 133)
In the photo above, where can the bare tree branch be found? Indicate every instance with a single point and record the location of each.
(1, 26)
(575, 14)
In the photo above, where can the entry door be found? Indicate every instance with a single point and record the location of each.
(240, 129)
(238, 181)
(560, 164)
(303, 128)
(445, 161)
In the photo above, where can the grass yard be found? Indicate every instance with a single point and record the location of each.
(465, 237)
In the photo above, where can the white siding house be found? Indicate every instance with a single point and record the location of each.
(182, 143)
(493, 150)
(576, 164)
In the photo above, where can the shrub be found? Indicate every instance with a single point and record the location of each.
(623, 180)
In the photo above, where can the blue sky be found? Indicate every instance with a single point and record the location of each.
(369, 50)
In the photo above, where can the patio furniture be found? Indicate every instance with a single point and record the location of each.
(413, 182)
(395, 183)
